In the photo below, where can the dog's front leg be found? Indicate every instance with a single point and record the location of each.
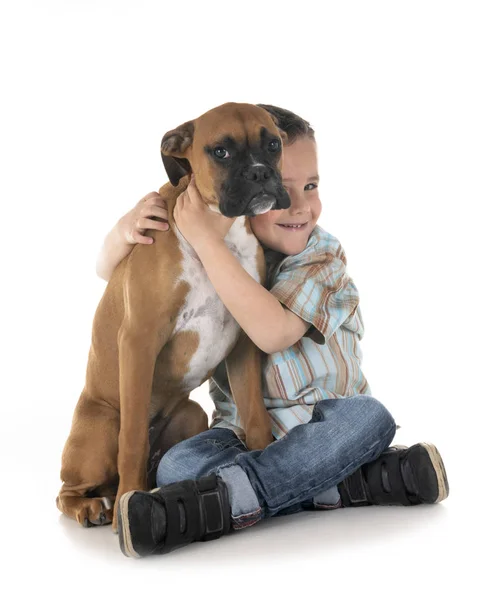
(137, 357)
(244, 373)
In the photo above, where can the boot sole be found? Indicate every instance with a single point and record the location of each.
(439, 467)
(125, 539)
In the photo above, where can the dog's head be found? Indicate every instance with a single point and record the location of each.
(235, 152)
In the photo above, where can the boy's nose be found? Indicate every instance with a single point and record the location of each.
(298, 204)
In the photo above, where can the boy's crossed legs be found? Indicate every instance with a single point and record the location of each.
(289, 474)
(315, 466)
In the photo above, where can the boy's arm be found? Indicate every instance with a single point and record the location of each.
(149, 213)
(114, 249)
(271, 326)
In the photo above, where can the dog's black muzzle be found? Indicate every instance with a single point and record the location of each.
(257, 190)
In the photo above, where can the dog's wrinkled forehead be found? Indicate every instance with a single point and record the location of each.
(234, 124)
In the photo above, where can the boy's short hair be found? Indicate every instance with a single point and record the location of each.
(294, 126)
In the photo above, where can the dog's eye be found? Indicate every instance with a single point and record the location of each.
(221, 152)
(274, 146)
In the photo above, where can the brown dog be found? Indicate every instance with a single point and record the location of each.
(160, 329)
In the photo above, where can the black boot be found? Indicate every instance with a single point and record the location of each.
(172, 516)
(400, 476)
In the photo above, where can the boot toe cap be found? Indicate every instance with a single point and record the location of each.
(142, 524)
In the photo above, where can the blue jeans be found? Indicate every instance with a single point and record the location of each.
(298, 472)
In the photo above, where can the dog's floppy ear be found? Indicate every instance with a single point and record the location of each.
(176, 168)
(173, 149)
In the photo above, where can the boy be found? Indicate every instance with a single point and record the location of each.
(332, 437)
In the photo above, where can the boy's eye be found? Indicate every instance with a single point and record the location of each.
(313, 188)
(221, 152)
(274, 145)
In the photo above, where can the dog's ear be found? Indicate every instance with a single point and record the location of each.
(173, 149)
(176, 168)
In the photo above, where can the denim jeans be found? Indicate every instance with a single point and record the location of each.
(297, 472)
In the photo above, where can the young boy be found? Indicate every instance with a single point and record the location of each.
(332, 437)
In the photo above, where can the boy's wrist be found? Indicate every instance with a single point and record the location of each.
(114, 249)
(208, 246)
(119, 232)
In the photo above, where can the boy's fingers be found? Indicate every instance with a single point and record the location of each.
(134, 237)
(151, 224)
(155, 201)
(156, 211)
(193, 190)
(149, 196)
(141, 239)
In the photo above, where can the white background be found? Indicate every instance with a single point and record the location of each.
(402, 96)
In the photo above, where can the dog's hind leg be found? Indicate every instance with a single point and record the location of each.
(89, 463)
(187, 419)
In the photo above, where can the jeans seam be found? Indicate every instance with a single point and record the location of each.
(255, 512)
(392, 428)
(238, 522)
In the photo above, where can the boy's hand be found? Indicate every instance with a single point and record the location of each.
(133, 224)
(197, 223)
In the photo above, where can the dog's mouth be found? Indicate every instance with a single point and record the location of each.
(259, 204)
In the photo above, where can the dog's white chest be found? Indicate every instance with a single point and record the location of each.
(203, 311)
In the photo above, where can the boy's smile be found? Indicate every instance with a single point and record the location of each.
(288, 230)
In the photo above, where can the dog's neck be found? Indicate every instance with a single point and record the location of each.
(239, 239)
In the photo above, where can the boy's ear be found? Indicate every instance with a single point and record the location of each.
(174, 147)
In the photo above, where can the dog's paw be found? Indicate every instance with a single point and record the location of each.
(88, 512)
(95, 511)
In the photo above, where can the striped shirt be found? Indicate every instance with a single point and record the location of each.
(326, 361)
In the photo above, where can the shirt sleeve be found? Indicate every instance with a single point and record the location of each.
(316, 287)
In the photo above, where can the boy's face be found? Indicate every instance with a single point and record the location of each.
(300, 179)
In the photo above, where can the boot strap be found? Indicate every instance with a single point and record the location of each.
(196, 511)
(215, 505)
(353, 490)
(385, 482)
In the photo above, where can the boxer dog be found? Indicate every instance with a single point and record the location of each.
(160, 329)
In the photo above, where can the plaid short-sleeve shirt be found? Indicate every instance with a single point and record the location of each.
(326, 362)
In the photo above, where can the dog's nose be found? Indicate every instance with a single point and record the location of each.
(256, 173)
